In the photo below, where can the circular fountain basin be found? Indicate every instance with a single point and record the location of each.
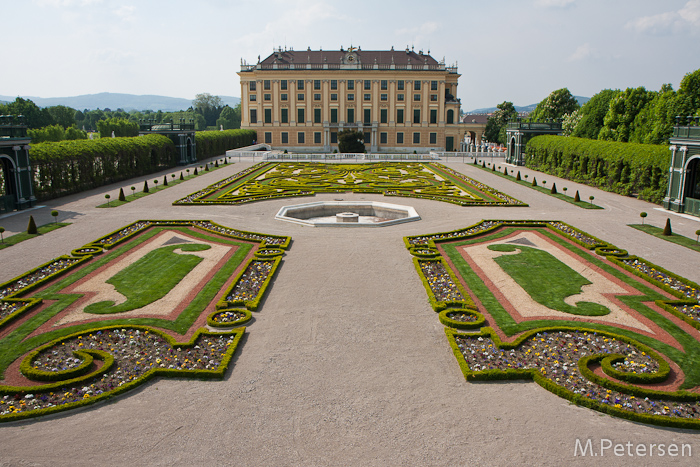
(347, 214)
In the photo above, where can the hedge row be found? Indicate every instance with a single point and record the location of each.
(624, 168)
(69, 167)
(216, 143)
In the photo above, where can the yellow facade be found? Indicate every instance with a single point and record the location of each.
(401, 100)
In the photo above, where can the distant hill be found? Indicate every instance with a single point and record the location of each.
(114, 101)
(527, 108)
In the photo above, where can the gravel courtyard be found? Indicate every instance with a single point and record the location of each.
(345, 363)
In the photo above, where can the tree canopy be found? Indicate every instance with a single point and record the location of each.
(351, 141)
(555, 106)
(496, 125)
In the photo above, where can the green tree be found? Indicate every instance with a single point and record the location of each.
(35, 117)
(120, 127)
(230, 118)
(688, 99)
(351, 141)
(654, 123)
(496, 125)
(555, 106)
(208, 106)
(62, 115)
(617, 125)
(593, 114)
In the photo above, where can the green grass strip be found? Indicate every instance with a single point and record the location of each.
(547, 191)
(673, 238)
(136, 194)
(20, 237)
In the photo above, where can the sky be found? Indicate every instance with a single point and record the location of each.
(505, 50)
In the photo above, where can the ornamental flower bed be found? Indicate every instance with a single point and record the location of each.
(272, 180)
(88, 361)
(587, 350)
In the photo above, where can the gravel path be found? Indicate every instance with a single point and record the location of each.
(346, 363)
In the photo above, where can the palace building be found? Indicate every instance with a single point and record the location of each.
(402, 100)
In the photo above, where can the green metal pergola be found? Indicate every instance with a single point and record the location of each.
(683, 193)
(16, 189)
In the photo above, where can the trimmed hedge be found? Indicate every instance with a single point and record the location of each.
(216, 143)
(69, 167)
(624, 168)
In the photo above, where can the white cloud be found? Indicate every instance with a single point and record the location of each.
(125, 12)
(582, 52)
(686, 18)
(425, 28)
(554, 3)
(66, 3)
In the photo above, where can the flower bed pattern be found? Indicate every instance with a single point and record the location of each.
(637, 361)
(57, 357)
(271, 180)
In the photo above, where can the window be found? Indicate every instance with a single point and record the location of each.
(268, 137)
(382, 138)
(266, 84)
(399, 85)
(334, 84)
(317, 84)
(368, 85)
(300, 115)
(268, 115)
(368, 116)
(317, 97)
(300, 97)
(351, 115)
(433, 115)
(334, 97)
(317, 115)
(251, 85)
(450, 116)
(433, 138)
(383, 85)
(416, 138)
(253, 116)
(351, 84)
(253, 97)
(285, 116)
(317, 137)
(283, 97)
(368, 138)
(368, 97)
(267, 97)
(399, 138)
(283, 84)
(383, 115)
(399, 97)
(300, 84)
(399, 115)
(416, 115)
(416, 85)
(433, 85)
(285, 137)
(334, 137)
(416, 97)
(433, 97)
(383, 97)
(351, 97)
(301, 138)
(334, 115)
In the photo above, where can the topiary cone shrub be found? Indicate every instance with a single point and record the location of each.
(493, 168)
(206, 167)
(577, 198)
(31, 227)
(667, 228)
(518, 176)
(165, 180)
(534, 181)
(195, 170)
(145, 186)
(483, 164)
(505, 171)
(121, 195)
(554, 189)
(216, 163)
(181, 176)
